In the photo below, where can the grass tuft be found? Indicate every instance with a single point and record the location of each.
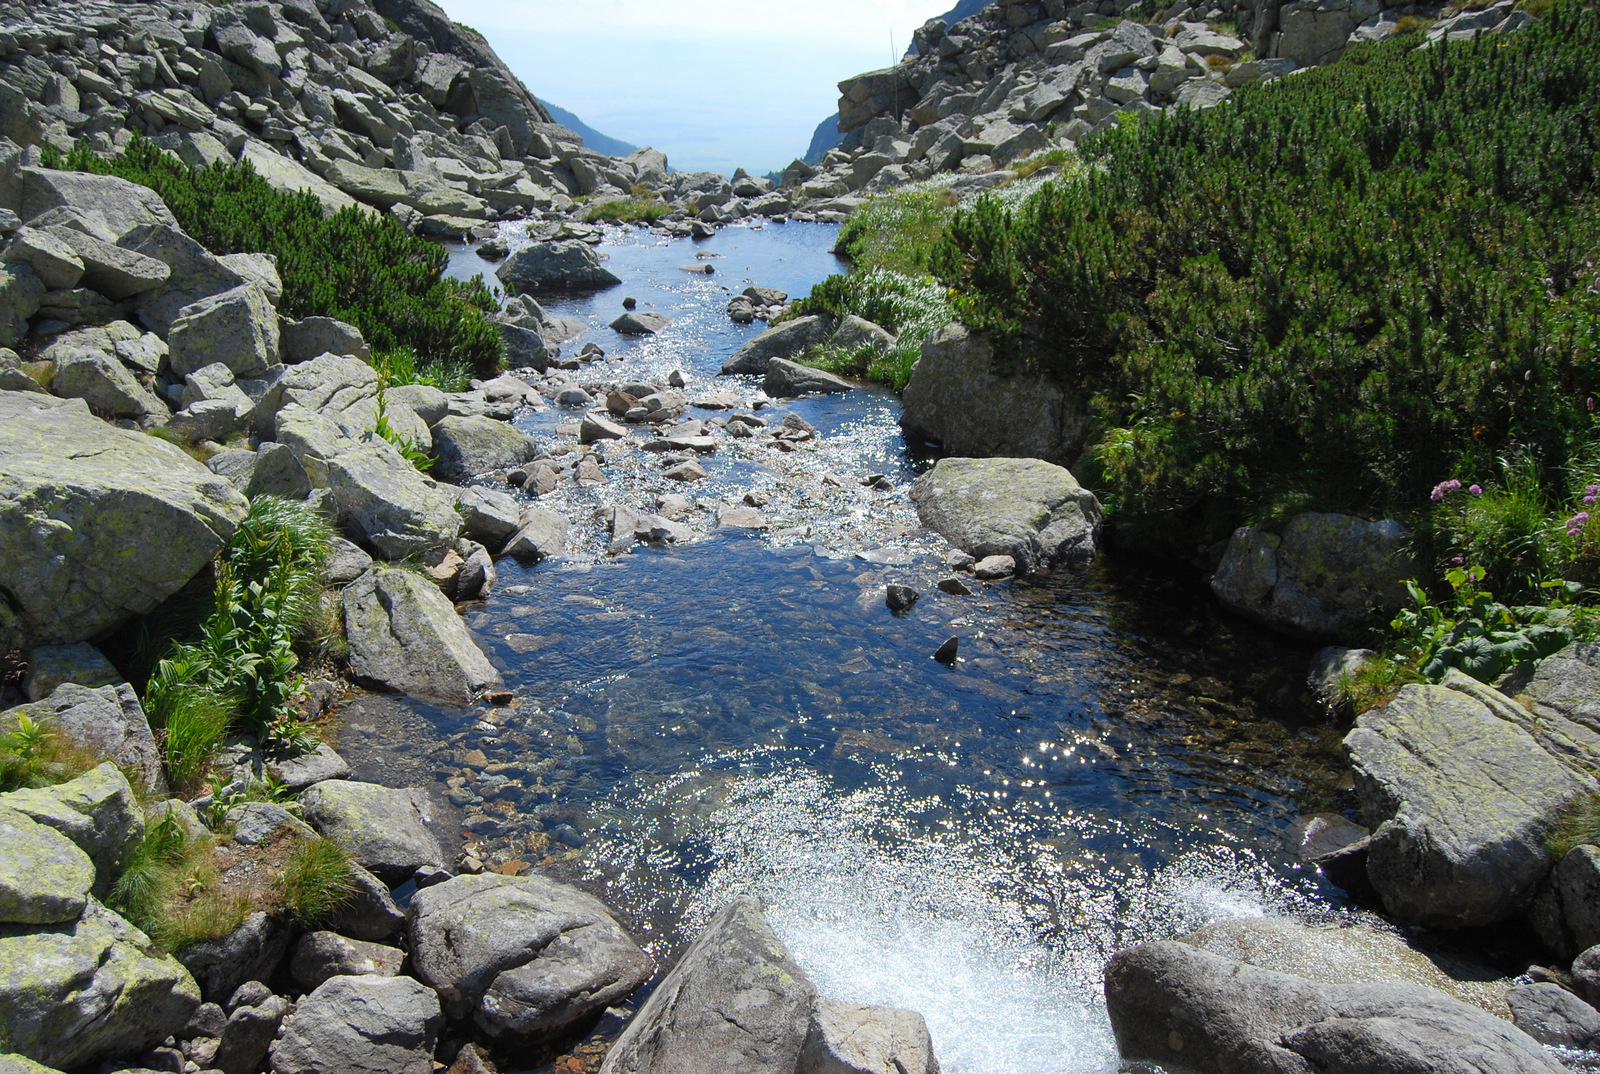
(317, 883)
(1579, 826)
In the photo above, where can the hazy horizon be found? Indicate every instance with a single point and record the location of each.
(711, 83)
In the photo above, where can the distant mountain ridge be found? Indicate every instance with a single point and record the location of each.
(602, 143)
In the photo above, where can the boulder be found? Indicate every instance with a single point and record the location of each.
(346, 562)
(958, 400)
(196, 275)
(297, 771)
(77, 499)
(489, 517)
(328, 384)
(1173, 1004)
(249, 1032)
(789, 380)
(522, 957)
(53, 261)
(97, 811)
(635, 323)
(361, 1025)
(238, 328)
(1461, 802)
(855, 333)
(1564, 699)
(277, 472)
(372, 914)
(428, 403)
(50, 666)
(107, 721)
(405, 635)
(102, 381)
(787, 340)
(20, 292)
(312, 337)
(1566, 912)
(467, 447)
(257, 823)
(386, 830)
(1030, 510)
(94, 989)
(1323, 574)
(120, 205)
(846, 1038)
(555, 266)
(735, 1001)
(45, 878)
(1554, 1017)
(250, 952)
(543, 534)
(321, 955)
(114, 272)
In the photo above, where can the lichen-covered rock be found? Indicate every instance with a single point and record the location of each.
(328, 384)
(312, 337)
(522, 957)
(1324, 573)
(107, 721)
(386, 830)
(958, 400)
(787, 340)
(361, 1025)
(238, 328)
(489, 517)
(93, 989)
(555, 266)
(20, 291)
(102, 381)
(44, 877)
(321, 955)
(78, 502)
(467, 447)
(405, 635)
(1033, 511)
(21, 1064)
(97, 811)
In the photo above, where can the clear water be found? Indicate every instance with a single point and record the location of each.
(1112, 761)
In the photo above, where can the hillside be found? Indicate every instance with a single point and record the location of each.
(601, 143)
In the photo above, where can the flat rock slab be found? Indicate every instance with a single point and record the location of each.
(522, 957)
(1033, 511)
(386, 830)
(361, 1025)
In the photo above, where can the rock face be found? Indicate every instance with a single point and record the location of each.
(1032, 511)
(1322, 574)
(77, 500)
(555, 267)
(1461, 800)
(405, 635)
(956, 400)
(361, 1025)
(1184, 1008)
(521, 957)
(89, 990)
(386, 830)
(466, 447)
(108, 722)
(788, 340)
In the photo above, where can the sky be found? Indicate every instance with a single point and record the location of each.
(714, 84)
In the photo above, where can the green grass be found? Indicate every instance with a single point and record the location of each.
(1580, 826)
(399, 365)
(358, 266)
(317, 883)
(898, 231)
(1375, 684)
(634, 210)
(170, 889)
(911, 308)
(34, 755)
(1050, 158)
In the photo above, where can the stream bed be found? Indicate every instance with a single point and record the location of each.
(1113, 759)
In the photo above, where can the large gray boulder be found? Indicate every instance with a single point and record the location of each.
(1562, 704)
(959, 401)
(1186, 1009)
(405, 635)
(328, 384)
(250, 952)
(542, 534)
(788, 340)
(114, 272)
(20, 291)
(1323, 573)
(735, 1001)
(522, 957)
(238, 328)
(45, 878)
(1033, 511)
(361, 1025)
(196, 274)
(312, 337)
(467, 447)
(102, 381)
(790, 380)
(386, 830)
(120, 205)
(79, 502)
(107, 721)
(1461, 801)
(555, 266)
(95, 989)
(97, 811)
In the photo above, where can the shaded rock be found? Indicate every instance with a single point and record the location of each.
(97, 811)
(45, 878)
(250, 952)
(51, 666)
(523, 957)
(361, 1025)
(901, 598)
(1033, 511)
(238, 328)
(555, 266)
(321, 955)
(255, 823)
(277, 472)
(1566, 912)
(543, 534)
(405, 635)
(789, 380)
(386, 830)
(788, 340)
(248, 1034)
(1331, 666)
(103, 382)
(1553, 1016)
(346, 562)
(847, 1038)
(77, 498)
(372, 913)
(107, 721)
(466, 447)
(640, 324)
(20, 292)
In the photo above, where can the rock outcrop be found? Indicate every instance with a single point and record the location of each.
(1034, 512)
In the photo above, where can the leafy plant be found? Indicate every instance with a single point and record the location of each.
(1480, 636)
(34, 755)
(403, 444)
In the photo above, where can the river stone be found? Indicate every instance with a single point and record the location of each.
(102, 381)
(44, 878)
(555, 266)
(1173, 1004)
(735, 1001)
(406, 636)
(238, 328)
(97, 811)
(958, 400)
(250, 952)
(523, 957)
(361, 1025)
(386, 830)
(467, 447)
(634, 323)
(789, 380)
(107, 721)
(94, 989)
(1323, 574)
(1461, 803)
(847, 1038)
(1032, 511)
(543, 534)
(321, 955)
(1553, 1016)
(78, 498)
(488, 516)
(788, 340)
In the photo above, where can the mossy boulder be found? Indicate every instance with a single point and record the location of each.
(44, 877)
(467, 447)
(97, 811)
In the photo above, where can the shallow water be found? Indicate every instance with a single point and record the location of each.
(1113, 760)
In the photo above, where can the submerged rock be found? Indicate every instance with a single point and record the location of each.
(1032, 511)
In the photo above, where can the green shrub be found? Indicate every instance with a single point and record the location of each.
(355, 265)
(635, 210)
(317, 882)
(911, 308)
(1336, 289)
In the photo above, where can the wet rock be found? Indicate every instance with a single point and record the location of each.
(1462, 802)
(361, 1025)
(595, 428)
(1324, 573)
(405, 635)
(1322, 834)
(250, 952)
(788, 380)
(1030, 510)
(785, 341)
(994, 568)
(45, 878)
(1555, 1017)
(79, 495)
(386, 830)
(522, 957)
(955, 587)
(949, 652)
(98, 811)
(1176, 1005)
(466, 447)
(543, 534)
(640, 324)
(555, 266)
(248, 1034)
(687, 471)
(321, 955)
(107, 721)
(901, 598)
(848, 1037)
